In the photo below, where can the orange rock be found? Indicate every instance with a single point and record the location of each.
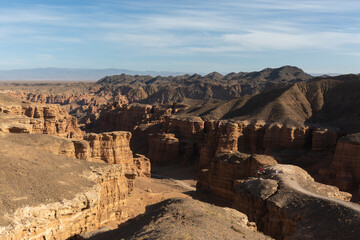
(163, 148)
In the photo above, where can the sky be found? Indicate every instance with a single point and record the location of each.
(183, 36)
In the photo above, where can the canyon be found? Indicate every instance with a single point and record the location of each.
(277, 145)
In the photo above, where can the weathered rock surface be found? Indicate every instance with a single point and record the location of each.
(111, 147)
(346, 165)
(181, 218)
(47, 196)
(286, 203)
(48, 119)
(163, 148)
(228, 167)
(191, 128)
(142, 165)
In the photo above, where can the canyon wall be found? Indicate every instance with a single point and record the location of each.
(345, 169)
(226, 168)
(284, 201)
(210, 137)
(47, 193)
(47, 119)
(103, 203)
(163, 148)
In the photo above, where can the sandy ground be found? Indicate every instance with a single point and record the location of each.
(163, 207)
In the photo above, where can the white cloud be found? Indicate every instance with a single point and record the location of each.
(262, 40)
(187, 28)
(28, 16)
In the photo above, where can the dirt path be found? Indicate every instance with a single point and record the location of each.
(295, 186)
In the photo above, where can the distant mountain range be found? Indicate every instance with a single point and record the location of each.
(67, 74)
(84, 74)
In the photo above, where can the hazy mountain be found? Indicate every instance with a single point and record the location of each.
(72, 73)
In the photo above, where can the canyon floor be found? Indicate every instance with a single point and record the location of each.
(166, 207)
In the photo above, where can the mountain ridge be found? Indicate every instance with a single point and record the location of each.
(82, 74)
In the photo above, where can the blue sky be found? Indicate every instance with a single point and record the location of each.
(185, 36)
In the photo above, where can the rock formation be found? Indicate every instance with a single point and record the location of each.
(346, 165)
(111, 147)
(228, 167)
(283, 200)
(286, 203)
(142, 165)
(163, 148)
(181, 218)
(47, 196)
(48, 119)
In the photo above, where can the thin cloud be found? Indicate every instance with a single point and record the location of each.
(183, 29)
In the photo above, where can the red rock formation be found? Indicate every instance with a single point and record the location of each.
(191, 128)
(279, 136)
(163, 148)
(48, 196)
(53, 119)
(103, 203)
(142, 165)
(323, 139)
(284, 201)
(127, 117)
(346, 164)
(111, 147)
(226, 168)
(248, 137)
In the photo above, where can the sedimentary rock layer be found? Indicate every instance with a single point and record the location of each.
(286, 203)
(36, 118)
(226, 168)
(47, 196)
(346, 164)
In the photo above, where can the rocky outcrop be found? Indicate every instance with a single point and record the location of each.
(163, 148)
(47, 196)
(190, 128)
(285, 201)
(346, 165)
(183, 218)
(251, 137)
(88, 211)
(142, 165)
(111, 147)
(228, 167)
(126, 117)
(47, 119)
(324, 139)
(279, 136)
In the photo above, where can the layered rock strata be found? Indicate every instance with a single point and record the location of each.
(345, 169)
(126, 117)
(47, 119)
(228, 167)
(111, 148)
(163, 148)
(47, 196)
(286, 142)
(286, 203)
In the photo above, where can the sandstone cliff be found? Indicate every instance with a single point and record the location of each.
(111, 148)
(47, 196)
(48, 119)
(346, 165)
(163, 148)
(228, 167)
(286, 203)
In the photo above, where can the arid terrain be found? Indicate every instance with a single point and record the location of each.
(273, 154)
